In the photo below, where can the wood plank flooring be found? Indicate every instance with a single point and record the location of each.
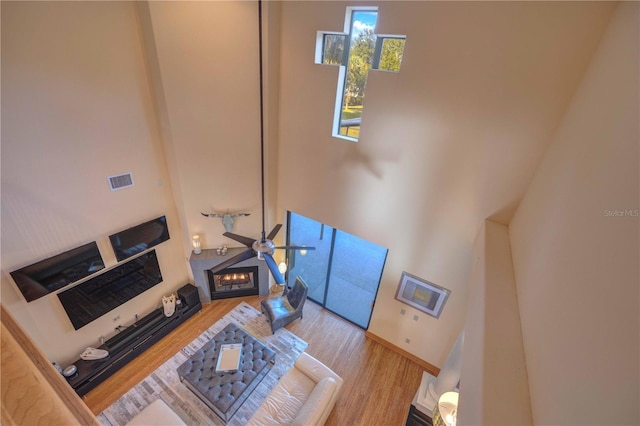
(379, 384)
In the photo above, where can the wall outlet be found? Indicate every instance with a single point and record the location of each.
(415, 318)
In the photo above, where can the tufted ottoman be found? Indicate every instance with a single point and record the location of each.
(224, 393)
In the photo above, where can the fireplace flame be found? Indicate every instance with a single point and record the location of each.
(235, 278)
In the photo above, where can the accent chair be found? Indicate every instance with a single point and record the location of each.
(283, 309)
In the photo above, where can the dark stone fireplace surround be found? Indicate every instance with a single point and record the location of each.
(208, 258)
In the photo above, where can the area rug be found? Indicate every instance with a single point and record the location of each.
(164, 383)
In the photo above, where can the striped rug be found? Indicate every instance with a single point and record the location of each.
(165, 384)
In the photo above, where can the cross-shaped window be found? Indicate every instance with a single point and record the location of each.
(356, 50)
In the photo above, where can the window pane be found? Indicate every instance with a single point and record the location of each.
(356, 269)
(391, 54)
(363, 41)
(333, 49)
(343, 272)
(312, 265)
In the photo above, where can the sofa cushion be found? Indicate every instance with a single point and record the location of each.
(156, 413)
(285, 400)
(314, 369)
(305, 395)
(314, 410)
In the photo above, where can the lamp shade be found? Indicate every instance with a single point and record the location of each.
(195, 241)
(446, 410)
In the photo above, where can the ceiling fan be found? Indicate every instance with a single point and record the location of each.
(264, 247)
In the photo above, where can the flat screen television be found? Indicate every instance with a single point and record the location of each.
(95, 297)
(139, 238)
(49, 275)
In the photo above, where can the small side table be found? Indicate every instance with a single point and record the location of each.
(418, 418)
(419, 415)
(276, 290)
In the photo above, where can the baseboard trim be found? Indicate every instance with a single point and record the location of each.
(431, 369)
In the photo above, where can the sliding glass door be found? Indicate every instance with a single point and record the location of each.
(343, 272)
(313, 265)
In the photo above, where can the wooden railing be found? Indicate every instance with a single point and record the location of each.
(33, 391)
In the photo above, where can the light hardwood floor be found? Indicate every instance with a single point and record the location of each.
(379, 384)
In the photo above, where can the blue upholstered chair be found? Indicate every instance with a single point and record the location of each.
(283, 309)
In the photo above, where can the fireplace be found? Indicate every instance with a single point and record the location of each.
(233, 282)
(209, 258)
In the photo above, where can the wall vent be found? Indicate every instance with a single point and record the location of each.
(120, 181)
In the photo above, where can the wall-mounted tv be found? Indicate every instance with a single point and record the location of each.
(46, 276)
(97, 296)
(139, 238)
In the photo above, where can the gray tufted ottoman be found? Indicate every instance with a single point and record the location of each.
(224, 393)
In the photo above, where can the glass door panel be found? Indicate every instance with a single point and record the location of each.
(313, 265)
(355, 275)
(343, 273)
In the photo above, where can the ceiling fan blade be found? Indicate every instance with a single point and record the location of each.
(274, 232)
(271, 263)
(295, 247)
(247, 254)
(239, 238)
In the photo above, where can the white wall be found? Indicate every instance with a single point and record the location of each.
(204, 59)
(576, 263)
(494, 387)
(452, 139)
(166, 90)
(76, 108)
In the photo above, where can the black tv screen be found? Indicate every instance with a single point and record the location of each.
(97, 296)
(46, 276)
(139, 238)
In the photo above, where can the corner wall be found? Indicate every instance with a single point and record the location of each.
(575, 241)
(493, 385)
(203, 56)
(76, 108)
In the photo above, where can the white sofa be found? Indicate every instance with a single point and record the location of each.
(157, 413)
(305, 395)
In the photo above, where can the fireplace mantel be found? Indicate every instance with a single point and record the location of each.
(208, 258)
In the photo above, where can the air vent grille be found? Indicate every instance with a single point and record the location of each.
(121, 181)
